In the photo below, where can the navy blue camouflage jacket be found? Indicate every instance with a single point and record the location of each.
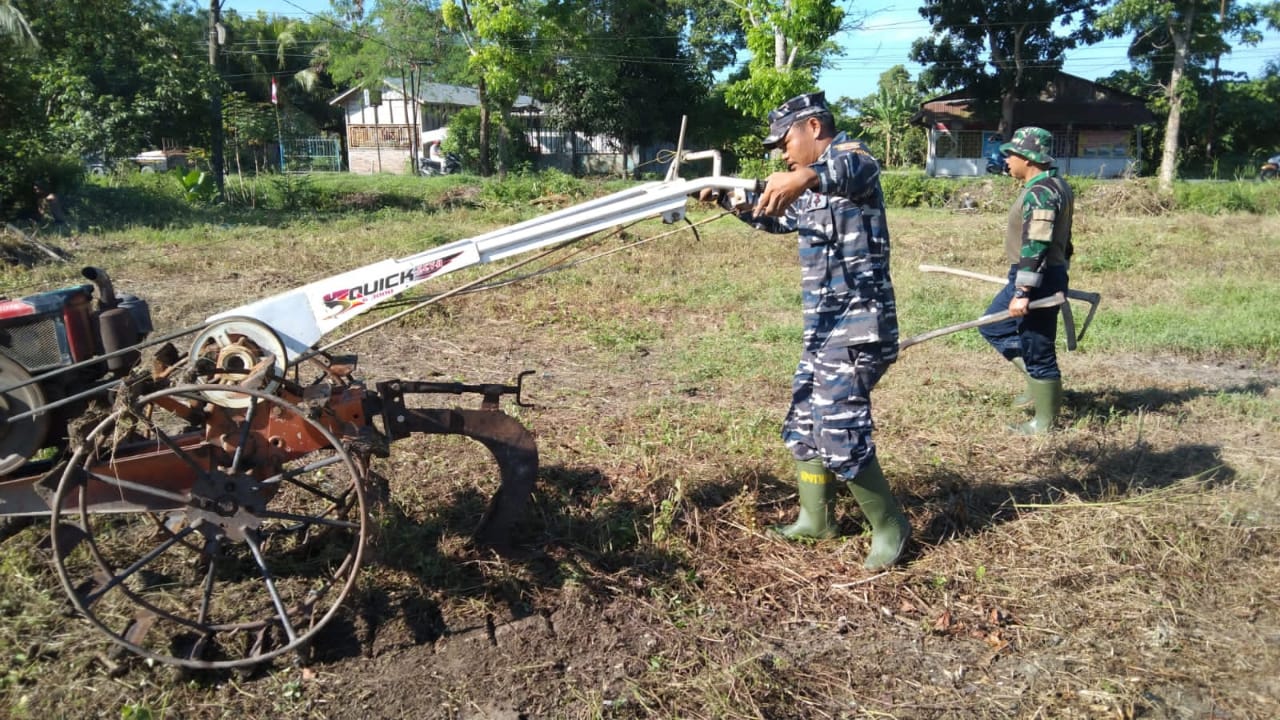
(844, 251)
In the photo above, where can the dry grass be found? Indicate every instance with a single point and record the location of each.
(1134, 197)
(1124, 567)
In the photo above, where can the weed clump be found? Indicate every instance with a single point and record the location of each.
(1124, 197)
(523, 188)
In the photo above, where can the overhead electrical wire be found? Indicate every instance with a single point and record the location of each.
(834, 66)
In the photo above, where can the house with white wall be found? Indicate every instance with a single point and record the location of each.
(1097, 130)
(384, 129)
(384, 126)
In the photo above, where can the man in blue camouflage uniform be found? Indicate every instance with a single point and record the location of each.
(1038, 248)
(831, 197)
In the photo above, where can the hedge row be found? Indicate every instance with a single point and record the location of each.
(1113, 197)
(159, 199)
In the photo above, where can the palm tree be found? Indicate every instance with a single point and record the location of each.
(888, 113)
(14, 25)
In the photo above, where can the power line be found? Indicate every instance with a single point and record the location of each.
(856, 58)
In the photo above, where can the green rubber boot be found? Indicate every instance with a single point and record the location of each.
(1047, 396)
(817, 488)
(1023, 399)
(890, 529)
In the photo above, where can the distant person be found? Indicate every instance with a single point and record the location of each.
(48, 204)
(831, 197)
(1038, 247)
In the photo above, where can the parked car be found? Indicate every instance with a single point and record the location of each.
(95, 164)
(160, 160)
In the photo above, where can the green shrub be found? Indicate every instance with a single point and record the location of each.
(1097, 196)
(903, 190)
(509, 150)
(61, 174)
(915, 189)
(523, 187)
(295, 191)
(132, 198)
(759, 168)
(197, 186)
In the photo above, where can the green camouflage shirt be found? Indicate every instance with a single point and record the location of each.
(1039, 234)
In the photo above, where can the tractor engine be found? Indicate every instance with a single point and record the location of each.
(47, 345)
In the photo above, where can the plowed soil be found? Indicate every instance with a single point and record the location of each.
(1125, 566)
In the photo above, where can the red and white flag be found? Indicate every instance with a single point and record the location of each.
(275, 99)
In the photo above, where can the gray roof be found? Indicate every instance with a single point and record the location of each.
(1067, 99)
(430, 93)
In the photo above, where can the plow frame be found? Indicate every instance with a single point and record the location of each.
(212, 469)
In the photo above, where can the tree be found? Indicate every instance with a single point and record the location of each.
(1002, 51)
(109, 77)
(464, 141)
(501, 40)
(886, 115)
(789, 40)
(248, 126)
(621, 70)
(294, 52)
(405, 39)
(22, 136)
(714, 33)
(1184, 32)
(14, 26)
(1245, 122)
(117, 76)
(1248, 124)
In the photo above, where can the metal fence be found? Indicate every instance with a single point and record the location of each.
(312, 153)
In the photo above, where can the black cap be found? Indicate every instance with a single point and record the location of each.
(786, 114)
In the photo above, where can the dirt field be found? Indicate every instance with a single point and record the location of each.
(1124, 567)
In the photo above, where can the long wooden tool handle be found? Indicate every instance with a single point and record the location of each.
(1051, 301)
(964, 273)
(1092, 298)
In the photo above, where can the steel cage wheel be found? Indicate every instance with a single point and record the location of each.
(1268, 174)
(253, 555)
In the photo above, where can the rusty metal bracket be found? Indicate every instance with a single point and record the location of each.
(491, 392)
(512, 445)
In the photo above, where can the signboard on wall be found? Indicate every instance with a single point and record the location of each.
(1104, 143)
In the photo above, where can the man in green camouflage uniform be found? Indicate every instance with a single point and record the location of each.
(1038, 247)
(831, 197)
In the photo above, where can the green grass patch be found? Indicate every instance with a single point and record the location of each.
(741, 350)
(1215, 198)
(993, 193)
(1208, 316)
(1109, 254)
(618, 335)
(1250, 403)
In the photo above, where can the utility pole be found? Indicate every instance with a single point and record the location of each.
(215, 158)
(1210, 150)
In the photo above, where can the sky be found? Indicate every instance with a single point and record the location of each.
(886, 38)
(883, 42)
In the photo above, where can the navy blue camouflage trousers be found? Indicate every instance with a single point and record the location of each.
(830, 415)
(1032, 337)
